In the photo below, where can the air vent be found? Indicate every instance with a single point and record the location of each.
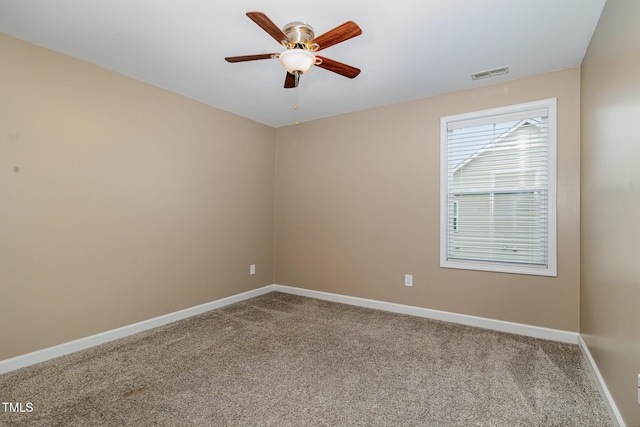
(490, 73)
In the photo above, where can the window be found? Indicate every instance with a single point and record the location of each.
(498, 190)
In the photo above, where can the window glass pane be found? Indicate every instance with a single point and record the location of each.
(502, 227)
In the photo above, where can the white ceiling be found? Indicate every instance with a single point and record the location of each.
(409, 48)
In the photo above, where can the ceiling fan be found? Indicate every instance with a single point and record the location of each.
(301, 45)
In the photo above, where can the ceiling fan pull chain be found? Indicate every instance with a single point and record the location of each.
(295, 107)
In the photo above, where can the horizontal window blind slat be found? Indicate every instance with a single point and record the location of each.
(488, 120)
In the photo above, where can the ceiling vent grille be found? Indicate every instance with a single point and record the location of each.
(490, 73)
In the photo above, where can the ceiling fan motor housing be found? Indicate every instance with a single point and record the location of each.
(298, 32)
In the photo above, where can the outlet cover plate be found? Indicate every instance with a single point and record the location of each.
(408, 279)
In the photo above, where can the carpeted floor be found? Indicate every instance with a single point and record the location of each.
(284, 360)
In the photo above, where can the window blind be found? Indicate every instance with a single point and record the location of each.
(497, 177)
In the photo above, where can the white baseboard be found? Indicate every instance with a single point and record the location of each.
(615, 415)
(463, 319)
(17, 362)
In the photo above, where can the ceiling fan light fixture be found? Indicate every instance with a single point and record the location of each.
(297, 60)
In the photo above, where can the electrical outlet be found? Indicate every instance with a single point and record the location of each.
(252, 269)
(408, 279)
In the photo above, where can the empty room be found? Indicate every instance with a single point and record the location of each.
(349, 213)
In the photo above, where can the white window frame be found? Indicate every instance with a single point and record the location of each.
(485, 117)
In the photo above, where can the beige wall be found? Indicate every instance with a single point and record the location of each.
(357, 207)
(120, 201)
(610, 295)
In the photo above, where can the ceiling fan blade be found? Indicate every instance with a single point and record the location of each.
(339, 34)
(338, 67)
(267, 24)
(250, 57)
(290, 81)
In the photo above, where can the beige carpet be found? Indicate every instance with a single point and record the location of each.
(283, 360)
